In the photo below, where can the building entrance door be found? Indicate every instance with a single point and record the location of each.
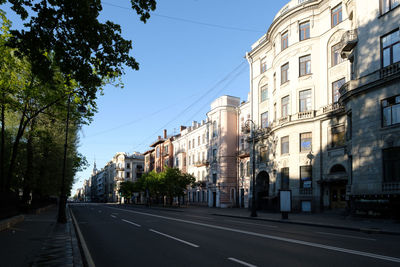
(262, 190)
(242, 198)
(338, 196)
(214, 199)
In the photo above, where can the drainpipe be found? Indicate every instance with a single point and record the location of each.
(250, 61)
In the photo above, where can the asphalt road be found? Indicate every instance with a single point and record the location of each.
(127, 236)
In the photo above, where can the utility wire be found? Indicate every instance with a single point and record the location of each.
(193, 103)
(191, 21)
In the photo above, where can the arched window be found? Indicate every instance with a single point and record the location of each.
(337, 168)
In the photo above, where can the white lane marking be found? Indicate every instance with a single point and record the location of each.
(347, 236)
(174, 238)
(242, 262)
(135, 224)
(289, 240)
(113, 216)
(266, 225)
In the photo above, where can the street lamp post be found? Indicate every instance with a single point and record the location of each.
(253, 199)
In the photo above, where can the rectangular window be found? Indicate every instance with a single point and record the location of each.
(285, 178)
(264, 120)
(387, 5)
(284, 40)
(165, 149)
(214, 155)
(338, 136)
(305, 176)
(285, 106)
(128, 174)
(391, 166)
(391, 111)
(335, 89)
(285, 73)
(263, 154)
(215, 129)
(274, 81)
(285, 145)
(305, 142)
(128, 165)
(335, 54)
(263, 65)
(304, 30)
(204, 138)
(248, 168)
(305, 65)
(193, 142)
(349, 125)
(214, 177)
(336, 15)
(264, 93)
(198, 140)
(390, 44)
(275, 118)
(305, 100)
(189, 143)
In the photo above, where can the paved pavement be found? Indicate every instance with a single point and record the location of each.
(40, 241)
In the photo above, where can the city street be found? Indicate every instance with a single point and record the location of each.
(120, 235)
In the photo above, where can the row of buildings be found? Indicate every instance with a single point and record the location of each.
(323, 113)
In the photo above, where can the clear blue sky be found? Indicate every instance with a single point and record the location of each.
(190, 52)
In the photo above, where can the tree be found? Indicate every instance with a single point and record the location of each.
(126, 189)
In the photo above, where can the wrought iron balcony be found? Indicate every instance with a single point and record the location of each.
(201, 163)
(305, 191)
(391, 187)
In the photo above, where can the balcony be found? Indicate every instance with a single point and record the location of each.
(391, 187)
(332, 107)
(305, 115)
(349, 41)
(305, 191)
(120, 168)
(284, 119)
(390, 70)
(244, 153)
(201, 163)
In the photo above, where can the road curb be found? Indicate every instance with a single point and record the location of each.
(332, 226)
(7, 223)
(86, 254)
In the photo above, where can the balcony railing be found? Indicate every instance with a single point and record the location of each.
(348, 41)
(332, 107)
(305, 114)
(394, 186)
(305, 191)
(390, 70)
(284, 119)
(201, 163)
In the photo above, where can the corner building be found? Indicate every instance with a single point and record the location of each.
(296, 70)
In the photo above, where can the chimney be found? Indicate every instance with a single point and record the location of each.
(159, 137)
(165, 133)
(182, 128)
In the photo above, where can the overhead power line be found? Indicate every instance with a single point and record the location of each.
(192, 21)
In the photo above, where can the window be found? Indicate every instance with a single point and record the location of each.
(305, 65)
(338, 136)
(128, 174)
(336, 15)
(285, 145)
(285, 73)
(391, 111)
(193, 143)
(263, 154)
(274, 81)
(215, 129)
(264, 93)
(128, 165)
(203, 156)
(390, 44)
(198, 140)
(285, 106)
(158, 152)
(241, 171)
(275, 118)
(387, 5)
(165, 150)
(285, 178)
(305, 176)
(304, 30)
(305, 142)
(264, 120)
(204, 138)
(284, 40)
(214, 155)
(335, 89)
(248, 168)
(263, 65)
(391, 166)
(336, 58)
(214, 177)
(349, 125)
(190, 143)
(176, 162)
(305, 100)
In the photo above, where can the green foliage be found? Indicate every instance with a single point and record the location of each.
(171, 183)
(126, 189)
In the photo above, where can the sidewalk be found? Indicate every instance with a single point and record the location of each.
(40, 241)
(325, 219)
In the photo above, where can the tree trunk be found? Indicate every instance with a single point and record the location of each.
(28, 179)
(14, 152)
(2, 152)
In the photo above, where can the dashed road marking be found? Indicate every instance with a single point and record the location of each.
(174, 238)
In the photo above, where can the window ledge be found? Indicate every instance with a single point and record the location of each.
(384, 128)
(285, 83)
(383, 14)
